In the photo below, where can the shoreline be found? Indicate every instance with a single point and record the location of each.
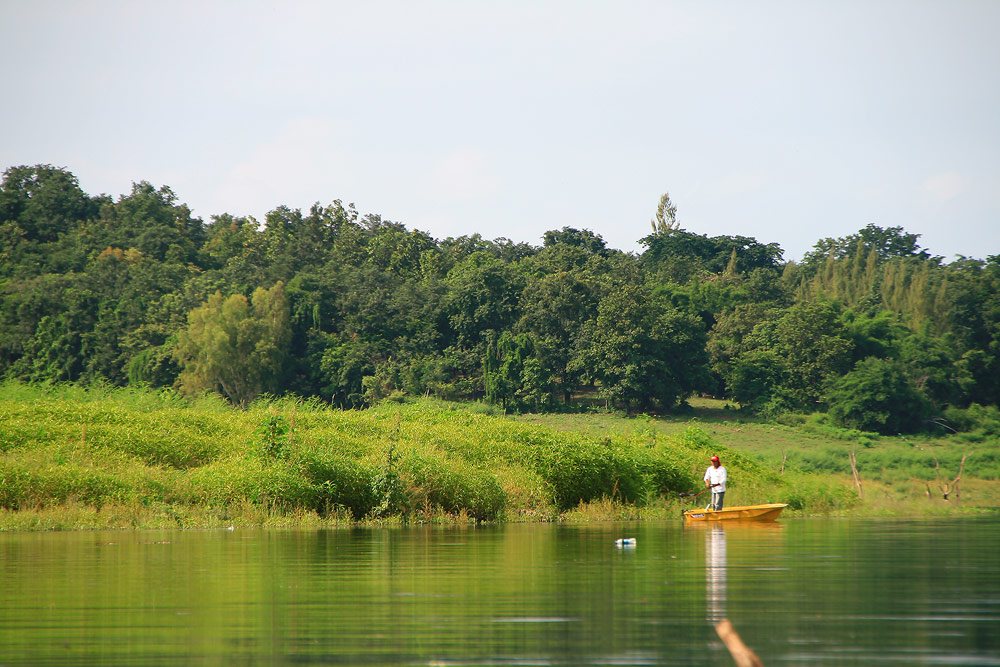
(83, 518)
(117, 459)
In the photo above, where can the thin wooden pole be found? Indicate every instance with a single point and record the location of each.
(854, 470)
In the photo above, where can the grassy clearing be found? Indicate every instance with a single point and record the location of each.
(102, 458)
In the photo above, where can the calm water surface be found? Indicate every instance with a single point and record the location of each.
(799, 592)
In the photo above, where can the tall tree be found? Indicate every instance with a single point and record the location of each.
(569, 236)
(885, 243)
(974, 317)
(678, 255)
(235, 346)
(482, 296)
(788, 361)
(44, 201)
(151, 220)
(666, 215)
(877, 395)
(40, 208)
(644, 352)
(503, 368)
(554, 307)
(812, 341)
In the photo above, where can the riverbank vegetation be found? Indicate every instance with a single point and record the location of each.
(331, 367)
(102, 457)
(352, 309)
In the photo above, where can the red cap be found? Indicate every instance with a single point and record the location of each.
(715, 458)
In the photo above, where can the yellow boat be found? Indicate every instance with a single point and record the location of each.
(767, 512)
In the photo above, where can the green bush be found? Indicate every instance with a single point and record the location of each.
(23, 486)
(454, 486)
(389, 494)
(156, 446)
(224, 483)
(877, 396)
(793, 419)
(816, 496)
(694, 438)
(580, 472)
(984, 420)
(341, 481)
(821, 424)
(124, 447)
(272, 438)
(667, 473)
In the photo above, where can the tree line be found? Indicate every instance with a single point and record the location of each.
(353, 309)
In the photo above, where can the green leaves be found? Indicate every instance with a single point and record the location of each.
(236, 346)
(387, 488)
(482, 296)
(137, 290)
(644, 352)
(513, 375)
(272, 438)
(44, 201)
(787, 359)
(877, 396)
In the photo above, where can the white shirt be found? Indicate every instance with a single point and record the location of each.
(716, 476)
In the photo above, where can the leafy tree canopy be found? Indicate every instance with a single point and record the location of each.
(236, 345)
(886, 243)
(877, 395)
(138, 290)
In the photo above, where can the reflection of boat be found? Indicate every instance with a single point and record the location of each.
(767, 512)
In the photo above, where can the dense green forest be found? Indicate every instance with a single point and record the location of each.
(354, 309)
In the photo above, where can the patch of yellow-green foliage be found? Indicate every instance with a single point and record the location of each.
(144, 458)
(99, 457)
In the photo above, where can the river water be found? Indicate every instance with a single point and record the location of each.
(798, 592)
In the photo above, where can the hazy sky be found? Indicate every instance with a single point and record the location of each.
(785, 121)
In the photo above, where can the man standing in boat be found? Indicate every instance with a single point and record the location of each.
(715, 479)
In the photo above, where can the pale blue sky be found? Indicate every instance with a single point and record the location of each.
(784, 121)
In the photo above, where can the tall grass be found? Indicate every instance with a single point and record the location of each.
(75, 457)
(99, 447)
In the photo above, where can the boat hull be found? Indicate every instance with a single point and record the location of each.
(767, 512)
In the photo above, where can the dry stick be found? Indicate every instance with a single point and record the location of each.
(784, 455)
(958, 478)
(947, 489)
(743, 656)
(854, 470)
